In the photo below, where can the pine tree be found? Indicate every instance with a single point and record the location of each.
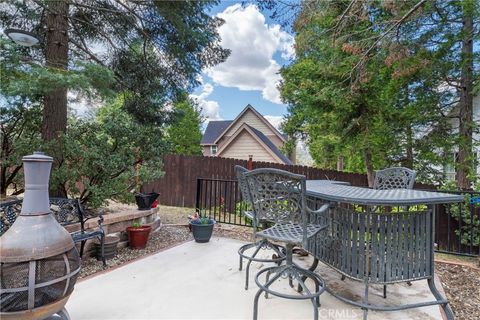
(384, 77)
(174, 41)
(184, 135)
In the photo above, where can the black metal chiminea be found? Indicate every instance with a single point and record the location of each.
(39, 263)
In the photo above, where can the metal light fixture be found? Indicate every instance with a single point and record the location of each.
(22, 38)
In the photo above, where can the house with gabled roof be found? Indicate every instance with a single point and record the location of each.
(249, 134)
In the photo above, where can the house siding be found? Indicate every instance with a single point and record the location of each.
(250, 117)
(454, 123)
(222, 141)
(254, 121)
(245, 145)
(206, 151)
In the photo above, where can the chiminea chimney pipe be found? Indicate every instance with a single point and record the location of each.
(40, 263)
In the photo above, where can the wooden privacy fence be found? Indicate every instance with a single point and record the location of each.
(178, 186)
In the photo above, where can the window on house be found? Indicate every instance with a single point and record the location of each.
(213, 149)
(450, 168)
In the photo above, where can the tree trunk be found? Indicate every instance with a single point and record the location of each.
(55, 103)
(3, 184)
(409, 156)
(408, 162)
(56, 55)
(3, 166)
(465, 130)
(369, 166)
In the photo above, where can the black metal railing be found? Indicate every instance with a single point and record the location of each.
(457, 226)
(221, 199)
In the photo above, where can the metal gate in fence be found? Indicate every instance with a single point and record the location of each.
(221, 199)
(457, 226)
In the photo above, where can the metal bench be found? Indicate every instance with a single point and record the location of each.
(66, 212)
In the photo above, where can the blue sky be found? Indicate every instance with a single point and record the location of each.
(259, 48)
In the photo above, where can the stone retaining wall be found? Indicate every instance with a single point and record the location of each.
(116, 223)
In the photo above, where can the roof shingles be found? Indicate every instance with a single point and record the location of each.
(270, 145)
(213, 131)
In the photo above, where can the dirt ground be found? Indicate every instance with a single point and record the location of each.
(460, 282)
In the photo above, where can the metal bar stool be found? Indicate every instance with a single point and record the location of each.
(264, 244)
(279, 196)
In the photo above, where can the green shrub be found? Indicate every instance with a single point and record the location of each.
(470, 224)
(109, 157)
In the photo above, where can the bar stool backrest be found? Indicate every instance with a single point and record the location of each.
(394, 178)
(242, 183)
(277, 195)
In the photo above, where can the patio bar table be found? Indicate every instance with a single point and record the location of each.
(378, 237)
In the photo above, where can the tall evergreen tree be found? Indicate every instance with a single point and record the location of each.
(176, 40)
(154, 49)
(184, 135)
(410, 63)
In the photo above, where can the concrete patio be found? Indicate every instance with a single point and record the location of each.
(202, 281)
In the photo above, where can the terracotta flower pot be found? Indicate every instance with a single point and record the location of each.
(138, 237)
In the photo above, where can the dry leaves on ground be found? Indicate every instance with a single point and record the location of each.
(462, 287)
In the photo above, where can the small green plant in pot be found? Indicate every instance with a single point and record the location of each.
(202, 227)
(138, 235)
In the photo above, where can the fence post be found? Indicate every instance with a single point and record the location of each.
(197, 196)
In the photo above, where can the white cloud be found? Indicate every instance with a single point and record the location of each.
(276, 121)
(210, 108)
(253, 44)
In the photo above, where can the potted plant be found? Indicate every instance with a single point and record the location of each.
(138, 235)
(202, 227)
(109, 248)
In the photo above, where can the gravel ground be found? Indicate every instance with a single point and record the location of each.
(164, 238)
(462, 287)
